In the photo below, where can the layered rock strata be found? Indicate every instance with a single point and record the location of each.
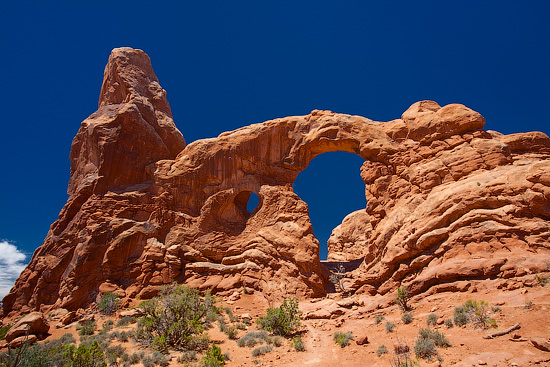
(447, 202)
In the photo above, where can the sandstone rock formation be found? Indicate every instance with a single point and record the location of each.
(447, 202)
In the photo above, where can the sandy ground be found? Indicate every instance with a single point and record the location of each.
(469, 348)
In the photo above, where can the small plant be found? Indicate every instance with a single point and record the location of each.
(390, 327)
(109, 303)
(240, 326)
(381, 350)
(86, 328)
(160, 359)
(343, 339)
(407, 318)
(107, 326)
(232, 317)
(135, 358)
(402, 357)
(496, 309)
(448, 323)
(528, 305)
(378, 319)
(92, 356)
(425, 348)
(542, 281)
(147, 361)
(437, 337)
(474, 312)
(298, 344)
(282, 320)
(432, 319)
(260, 351)
(402, 298)
(3, 331)
(114, 353)
(253, 338)
(187, 356)
(126, 320)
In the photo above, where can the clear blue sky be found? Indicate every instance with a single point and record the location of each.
(229, 64)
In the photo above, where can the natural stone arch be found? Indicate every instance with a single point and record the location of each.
(435, 183)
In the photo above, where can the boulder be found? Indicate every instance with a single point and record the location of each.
(541, 343)
(22, 340)
(32, 324)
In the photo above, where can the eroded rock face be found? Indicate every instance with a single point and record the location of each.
(447, 202)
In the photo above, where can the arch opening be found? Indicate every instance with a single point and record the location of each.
(332, 188)
(247, 202)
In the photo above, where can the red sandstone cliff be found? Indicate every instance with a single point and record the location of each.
(447, 202)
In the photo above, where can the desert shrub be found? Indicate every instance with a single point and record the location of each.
(275, 340)
(342, 339)
(401, 356)
(255, 337)
(407, 317)
(432, 319)
(402, 298)
(282, 320)
(298, 344)
(460, 316)
(425, 348)
(528, 305)
(136, 357)
(232, 317)
(58, 352)
(3, 331)
(381, 350)
(213, 357)
(436, 336)
(126, 320)
(495, 309)
(159, 344)
(179, 315)
(474, 312)
(229, 330)
(92, 356)
(114, 353)
(378, 319)
(187, 356)
(160, 359)
(107, 326)
(264, 349)
(448, 323)
(240, 326)
(109, 303)
(147, 361)
(121, 336)
(86, 328)
(390, 327)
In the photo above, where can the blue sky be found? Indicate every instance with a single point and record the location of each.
(230, 64)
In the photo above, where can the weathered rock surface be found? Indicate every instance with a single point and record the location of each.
(447, 202)
(32, 324)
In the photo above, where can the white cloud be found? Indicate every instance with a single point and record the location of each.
(11, 265)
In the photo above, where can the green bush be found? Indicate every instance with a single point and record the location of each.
(136, 357)
(213, 357)
(58, 352)
(402, 298)
(407, 317)
(474, 312)
(264, 349)
(282, 320)
(179, 315)
(109, 303)
(378, 319)
(390, 327)
(107, 326)
(342, 339)
(298, 344)
(381, 350)
(432, 319)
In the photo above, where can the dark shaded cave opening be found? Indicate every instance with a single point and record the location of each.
(332, 188)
